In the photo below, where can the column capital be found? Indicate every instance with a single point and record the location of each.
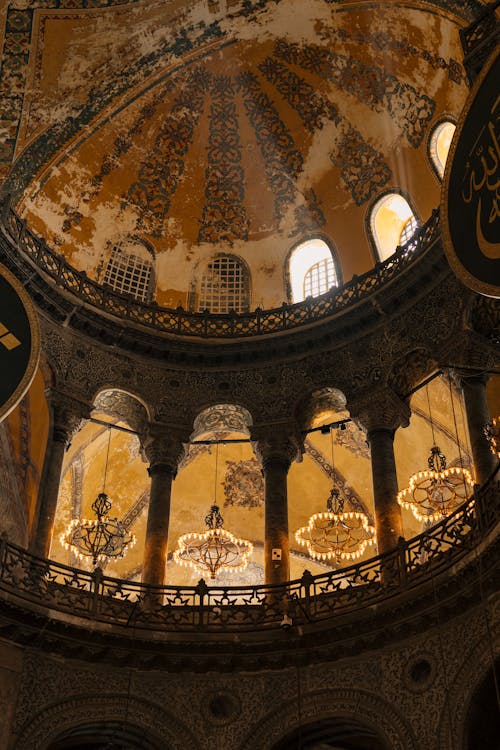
(163, 446)
(279, 445)
(380, 409)
(68, 415)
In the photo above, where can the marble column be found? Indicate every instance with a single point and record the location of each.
(68, 416)
(477, 414)
(163, 453)
(381, 413)
(276, 454)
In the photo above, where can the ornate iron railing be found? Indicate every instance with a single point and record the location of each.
(205, 324)
(479, 39)
(226, 609)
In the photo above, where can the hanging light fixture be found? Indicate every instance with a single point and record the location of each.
(103, 537)
(336, 534)
(492, 432)
(435, 492)
(215, 549)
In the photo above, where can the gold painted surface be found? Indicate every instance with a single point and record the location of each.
(77, 51)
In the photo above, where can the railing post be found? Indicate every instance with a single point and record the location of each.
(201, 591)
(97, 578)
(403, 573)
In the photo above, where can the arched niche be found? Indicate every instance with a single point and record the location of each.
(392, 222)
(312, 269)
(482, 723)
(439, 145)
(112, 735)
(337, 732)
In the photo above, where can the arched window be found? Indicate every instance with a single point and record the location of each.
(225, 286)
(392, 223)
(312, 270)
(439, 145)
(129, 270)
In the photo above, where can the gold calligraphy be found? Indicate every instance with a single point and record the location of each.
(7, 338)
(482, 183)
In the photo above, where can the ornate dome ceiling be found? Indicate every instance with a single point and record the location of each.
(196, 129)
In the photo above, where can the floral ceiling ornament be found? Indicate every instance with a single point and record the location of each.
(336, 534)
(103, 537)
(215, 549)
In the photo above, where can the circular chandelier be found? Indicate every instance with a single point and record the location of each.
(436, 492)
(215, 549)
(101, 538)
(336, 534)
(492, 432)
(212, 550)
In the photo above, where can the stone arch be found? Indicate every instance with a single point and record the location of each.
(123, 406)
(222, 417)
(327, 400)
(359, 705)
(475, 667)
(153, 720)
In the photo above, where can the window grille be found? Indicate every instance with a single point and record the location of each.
(224, 286)
(408, 230)
(129, 274)
(320, 278)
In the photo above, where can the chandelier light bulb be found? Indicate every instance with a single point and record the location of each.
(436, 492)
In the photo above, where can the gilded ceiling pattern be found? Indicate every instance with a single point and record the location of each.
(159, 176)
(18, 45)
(362, 168)
(224, 215)
(382, 42)
(283, 160)
(371, 85)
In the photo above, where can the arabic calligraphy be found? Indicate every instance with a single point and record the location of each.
(7, 338)
(481, 184)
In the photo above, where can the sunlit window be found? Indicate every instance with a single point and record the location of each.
(225, 286)
(440, 145)
(392, 222)
(312, 270)
(128, 272)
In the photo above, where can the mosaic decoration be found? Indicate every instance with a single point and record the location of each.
(371, 85)
(283, 160)
(222, 417)
(362, 168)
(468, 9)
(244, 484)
(224, 216)
(159, 176)
(382, 42)
(353, 439)
(135, 511)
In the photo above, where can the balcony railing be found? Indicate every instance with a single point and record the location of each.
(227, 609)
(207, 325)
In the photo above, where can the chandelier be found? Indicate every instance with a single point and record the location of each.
(215, 549)
(492, 432)
(336, 534)
(437, 491)
(101, 538)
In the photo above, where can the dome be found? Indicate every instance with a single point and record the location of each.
(205, 143)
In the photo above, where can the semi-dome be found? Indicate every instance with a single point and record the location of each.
(181, 156)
